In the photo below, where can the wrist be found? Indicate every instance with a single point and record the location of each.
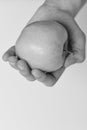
(50, 13)
(69, 6)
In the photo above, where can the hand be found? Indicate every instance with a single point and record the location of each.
(31, 75)
(18, 64)
(76, 42)
(76, 49)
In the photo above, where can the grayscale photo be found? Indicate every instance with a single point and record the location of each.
(43, 65)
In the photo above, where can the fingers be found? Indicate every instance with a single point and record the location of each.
(47, 79)
(8, 53)
(13, 61)
(11, 57)
(20, 65)
(24, 70)
(57, 74)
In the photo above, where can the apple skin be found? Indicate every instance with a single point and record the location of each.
(41, 44)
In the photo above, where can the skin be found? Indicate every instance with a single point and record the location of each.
(49, 11)
(70, 6)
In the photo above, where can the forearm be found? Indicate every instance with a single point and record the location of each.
(70, 6)
(50, 9)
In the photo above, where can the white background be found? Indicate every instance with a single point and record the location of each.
(31, 105)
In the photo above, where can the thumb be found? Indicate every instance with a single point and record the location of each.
(75, 57)
(70, 60)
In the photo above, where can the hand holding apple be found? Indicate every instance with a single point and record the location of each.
(76, 44)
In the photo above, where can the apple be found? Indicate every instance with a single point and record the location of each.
(41, 45)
